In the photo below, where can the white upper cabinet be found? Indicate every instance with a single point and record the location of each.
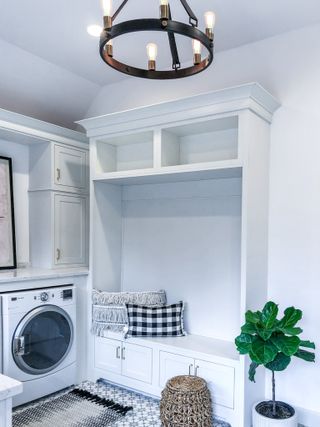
(70, 168)
(59, 167)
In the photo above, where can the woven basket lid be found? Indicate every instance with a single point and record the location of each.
(187, 384)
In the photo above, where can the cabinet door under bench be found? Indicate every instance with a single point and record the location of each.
(125, 359)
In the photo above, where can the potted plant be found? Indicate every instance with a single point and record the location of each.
(272, 343)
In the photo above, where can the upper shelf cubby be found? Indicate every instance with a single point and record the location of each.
(202, 142)
(125, 152)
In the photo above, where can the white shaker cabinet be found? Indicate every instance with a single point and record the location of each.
(70, 229)
(127, 360)
(137, 362)
(108, 355)
(172, 365)
(70, 165)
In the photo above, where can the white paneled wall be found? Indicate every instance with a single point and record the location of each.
(185, 238)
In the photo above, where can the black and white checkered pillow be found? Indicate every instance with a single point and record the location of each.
(164, 321)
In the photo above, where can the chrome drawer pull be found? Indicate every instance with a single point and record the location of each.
(58, 174)
(123, 353)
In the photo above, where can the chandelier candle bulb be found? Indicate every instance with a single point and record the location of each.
(152, 51)
(196, 45)
(164, 10)
(107, 13)
(210, 19)
(109, 48)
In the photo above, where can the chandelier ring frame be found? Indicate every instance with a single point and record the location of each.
(169, 27)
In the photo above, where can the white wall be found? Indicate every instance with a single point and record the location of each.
(20, 166)
(289, 67)
(185, 238)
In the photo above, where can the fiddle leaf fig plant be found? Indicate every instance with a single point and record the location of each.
(272, 342)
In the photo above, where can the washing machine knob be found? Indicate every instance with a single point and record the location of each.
(44, 296)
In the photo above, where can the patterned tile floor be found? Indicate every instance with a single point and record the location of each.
(145, 412)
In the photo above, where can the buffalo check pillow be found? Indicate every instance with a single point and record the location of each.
(164, 321)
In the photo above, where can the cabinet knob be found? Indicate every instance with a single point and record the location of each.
(58, 174)
(58, 254)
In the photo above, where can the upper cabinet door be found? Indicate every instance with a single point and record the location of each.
(70, 168)
(172, 365)
(137, 362)
(70, 229)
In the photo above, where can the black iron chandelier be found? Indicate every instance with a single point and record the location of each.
(165, 24)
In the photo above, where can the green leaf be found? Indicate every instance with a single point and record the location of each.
(280, 363)
(287, 345)
(263, 351)
(307, 344)
(252, 317)
(269, 314)
(252, 371)
(291, 318)
(249, 328)
(290, 331)
(244, 343)
(265, 334)
(305, 355)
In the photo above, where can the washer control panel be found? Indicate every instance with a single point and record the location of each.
(27, 300)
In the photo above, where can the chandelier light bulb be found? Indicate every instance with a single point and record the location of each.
(109, 48)
(107, 13)
(94, 30)
(196, 45)
(152, 52)
(107, 7)
(210, 19)
(164, 10)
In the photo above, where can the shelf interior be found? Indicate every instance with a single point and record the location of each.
(126, 152)
(202, 142)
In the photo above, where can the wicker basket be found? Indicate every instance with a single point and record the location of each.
(186, 402)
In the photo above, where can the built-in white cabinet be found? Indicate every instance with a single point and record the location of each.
(70, 166)
(58, 200)
(172, 365)
(220, 378)
(108, 355)
(70, 229)
(59, 167)
(125, 359)
(180, 201)
(58, 229)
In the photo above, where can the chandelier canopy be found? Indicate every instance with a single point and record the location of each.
(165, 24)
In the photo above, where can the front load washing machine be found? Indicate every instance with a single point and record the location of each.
(38, 340)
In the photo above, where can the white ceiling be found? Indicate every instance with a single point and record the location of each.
(56, 30)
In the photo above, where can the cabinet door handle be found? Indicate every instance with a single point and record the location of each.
(58, 254)
(190, 367)
(196, 372)
(58, 174)
(123, 353)
(118, 352)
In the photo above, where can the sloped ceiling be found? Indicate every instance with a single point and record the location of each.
(50, 66)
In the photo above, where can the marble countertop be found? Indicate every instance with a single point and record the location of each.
(9, 387)
(25, 274)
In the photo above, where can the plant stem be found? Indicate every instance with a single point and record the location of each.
(273, 395)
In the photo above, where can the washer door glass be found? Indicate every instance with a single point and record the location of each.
(42, 340)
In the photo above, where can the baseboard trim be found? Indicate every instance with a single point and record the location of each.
(308, 418)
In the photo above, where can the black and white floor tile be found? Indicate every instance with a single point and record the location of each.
(146, 412)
